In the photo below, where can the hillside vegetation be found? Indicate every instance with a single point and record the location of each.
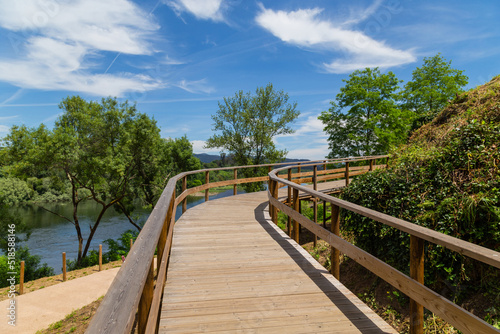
(446, 178)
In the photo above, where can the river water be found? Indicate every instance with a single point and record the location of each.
(51, 235)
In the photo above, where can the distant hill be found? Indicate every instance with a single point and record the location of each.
(207, 158)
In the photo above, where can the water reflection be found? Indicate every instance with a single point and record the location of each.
(52, 235)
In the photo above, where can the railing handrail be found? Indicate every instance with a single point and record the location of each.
(415, 289)
(116, 314)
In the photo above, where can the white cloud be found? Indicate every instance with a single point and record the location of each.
(304, 28)
(199, 147)
(27, 74)
(363, 14)
(309, 136)
(171, 61)
(202, 9)
(312, 152)
(112, 25)
(4, 130)
(308, 126)
(59, 37)
(195, 86)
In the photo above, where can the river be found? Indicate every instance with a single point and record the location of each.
(51, 235)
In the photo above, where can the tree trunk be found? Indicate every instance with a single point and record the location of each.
(93, 229)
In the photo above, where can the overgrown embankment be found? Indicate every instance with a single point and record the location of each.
(447, 178)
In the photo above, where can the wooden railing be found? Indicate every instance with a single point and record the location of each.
(413, 286)
(134, 298)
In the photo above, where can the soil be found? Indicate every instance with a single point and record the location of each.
(75, 322)
(53, 280)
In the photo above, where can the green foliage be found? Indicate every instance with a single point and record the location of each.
(180, 158)
(373, 122)
(121, 246)
(450, 186)
(116, 249)
(32, 267)
(247, 124)
(24, 151)
(432, 86)
(14, 191)
(11, 225)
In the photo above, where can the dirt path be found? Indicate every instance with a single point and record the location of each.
(38, 309)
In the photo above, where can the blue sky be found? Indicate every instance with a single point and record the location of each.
(178, 58)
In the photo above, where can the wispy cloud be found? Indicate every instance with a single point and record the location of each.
(171, 61)
(199, 147)
(363, 14)
(4, 130)
(198, 86)
(5, 118)
(201, 9)
(58, 38)
(305, 28)
(13, 97)
(308, 135)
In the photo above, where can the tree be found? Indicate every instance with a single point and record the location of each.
(432, 86)
(248, 123)
(107, 152)
(365, 119)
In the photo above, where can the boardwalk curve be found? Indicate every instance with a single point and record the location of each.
(234, 271)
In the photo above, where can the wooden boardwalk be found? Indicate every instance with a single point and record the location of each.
(233, 271)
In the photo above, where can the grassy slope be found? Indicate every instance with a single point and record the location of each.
(446, 178)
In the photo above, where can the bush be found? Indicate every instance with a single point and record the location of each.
(32, 268)
(14, 191)
(117, 249)
(454, 189)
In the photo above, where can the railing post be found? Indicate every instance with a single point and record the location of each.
(315, 202)
(324, 214)
(207, 181)
(289, 222)
(296, 207)
(184, 187)
(21, 279)
(270, 186)
(298, 169)
(417, 273)
(275, 195)
(334, 253)
(371, 165)
(347, 173)
(387, 163)
(235, 190)
(146, 299)
(64, 266)
(100, 257)
(324, 169)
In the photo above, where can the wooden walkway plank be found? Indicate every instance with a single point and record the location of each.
(233, 271)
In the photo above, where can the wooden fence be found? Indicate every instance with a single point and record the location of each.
(413, 286)
(135, 294)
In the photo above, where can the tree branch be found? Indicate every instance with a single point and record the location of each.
(54, 213)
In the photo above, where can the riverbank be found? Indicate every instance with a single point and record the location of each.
(53, 280)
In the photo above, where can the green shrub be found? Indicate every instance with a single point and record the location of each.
(454, 189)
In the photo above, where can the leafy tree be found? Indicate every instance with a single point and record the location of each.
(106, 151)
(14, 191)
(365, 119)
(22, 156)
(248, 123)
(11, 230)
(432, 86)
